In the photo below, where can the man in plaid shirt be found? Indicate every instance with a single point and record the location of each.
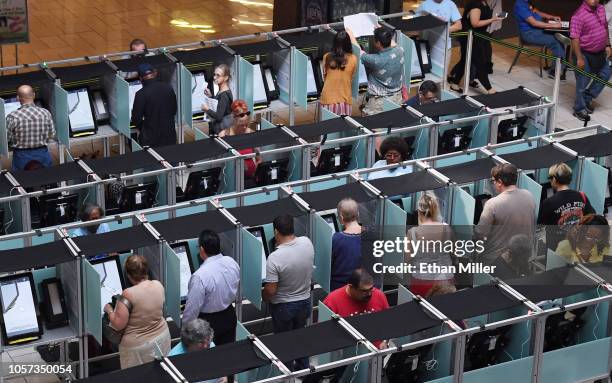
(29, 129)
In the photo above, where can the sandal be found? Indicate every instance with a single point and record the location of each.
(474, 84)
(455, 88)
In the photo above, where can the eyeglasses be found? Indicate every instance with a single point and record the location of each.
(240, 115)
(392, 155)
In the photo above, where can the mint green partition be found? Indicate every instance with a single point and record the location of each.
(355, 86)
(389, 105)
(120, 113)
(45, 238)
(553, 260)
(251, 268)
(394, 226)
(525, 182)
(92, 301)
(265, 124)
(60, 114)
(463, 208)
(514, 148)
(12, 244)
(185, 78)
(594, 184)
(326, 114)
(480, 134)
(258, 198)
(577, 363)
(3, 132)
(409, 47)
(298, 78)
(198, 134)
(245, 82)
(172, 284)
(322, 242)
(259, 373)
(515, 371)
(455, 160)
(40, 275)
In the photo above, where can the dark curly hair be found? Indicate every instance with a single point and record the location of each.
(578, 232)
(395, 143)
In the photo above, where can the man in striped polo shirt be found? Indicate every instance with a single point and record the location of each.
(591, 45)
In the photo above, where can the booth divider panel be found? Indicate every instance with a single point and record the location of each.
(595, 318)
(11, 244)
(92, 301)
(153, 256)
(265, 124)
(463, 208)
(323, 247)
(389, 105)
(480, 135)
(45, 238)
(325, 314)
(190, 210)
(245, 82)
(120, 119)
(394, 226)
(569, 364)
(39, 276)
(437, 37)
(66, 272)
(158, 216)
(554, 261)
(359, 154)
(533, 187)
(447, 379)
(458, 159)
(355, 87)
(327, 184)
(594, 184)
(228, 178)
(172, 285)
(326, 114)
(115, 225)
(255, 199)
(3, 131)
(403, 295)
(185, 78)
(422, 144)
(298, 78)
(409, 47)
(60, 109)
(281, 60)
(247, 376)
(251, 268)
(519, 370)
(519, 147)
(198, 134)
(295, 165)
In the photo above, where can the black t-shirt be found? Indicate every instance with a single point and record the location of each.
(486, 13)
(563, 209)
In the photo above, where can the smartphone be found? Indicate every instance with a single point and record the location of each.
(503, 15)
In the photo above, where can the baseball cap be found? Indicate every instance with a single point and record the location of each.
(145, 69)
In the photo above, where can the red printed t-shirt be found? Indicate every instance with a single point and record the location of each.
(342, 304)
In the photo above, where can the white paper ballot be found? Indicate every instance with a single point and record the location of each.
(18, 307)
(198, 84)
(362, 24)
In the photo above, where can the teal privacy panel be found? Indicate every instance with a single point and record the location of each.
(403, 295)
(513, 148)
(265, 124)
(510, 372)
(11, 244)
(298, 78)
(3, 132)
(135, 146)
(45, 238)
(355, 86)
(60, 114)
(40, 275)
(258, 198)
(422, 144)
(199, 135)
(172, 284)
(576, 363)
(533, 187)
(323, 246)
(252, 267)
(327, 115)
(454, 160)
(407, 45)
(447, 379)
(480, 136)
(120, 119)
(92, 301)
(245, 82)
(463, 207)
(594, 183)
(185, 78)
(389, 105)
(158, 216)
(394, 226)
(554, 261)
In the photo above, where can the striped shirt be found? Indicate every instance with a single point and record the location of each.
(385, 71)
(29, 127)
(590, 27)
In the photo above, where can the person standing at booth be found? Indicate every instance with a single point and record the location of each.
(220, 118)
(154, 109)
(591, 45)
(384, 69)
(340, 66)
(213, 288)
(346, 244)
(288, 280)
(29, 129)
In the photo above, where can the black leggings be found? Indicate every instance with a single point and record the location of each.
(481, 62)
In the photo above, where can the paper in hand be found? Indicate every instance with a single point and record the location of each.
(362, 24)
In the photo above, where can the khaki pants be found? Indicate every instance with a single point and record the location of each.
(374, 105)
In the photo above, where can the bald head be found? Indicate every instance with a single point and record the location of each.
(25, 94)
(348, 210)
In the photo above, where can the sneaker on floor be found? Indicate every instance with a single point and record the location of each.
(582, 115)
(589, 108)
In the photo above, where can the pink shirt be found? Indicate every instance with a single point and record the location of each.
(590, 27)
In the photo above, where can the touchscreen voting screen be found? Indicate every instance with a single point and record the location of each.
(185, 268)
(198, 84)
(331, 221)
(258, 232)
(259, 90)
(79, 110)
(134, 87)
(18, 307)
(311, 84)
(10, 105)
(270, 80)
(110, 279)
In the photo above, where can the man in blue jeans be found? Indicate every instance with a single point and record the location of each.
(532, 22)
(288, 279)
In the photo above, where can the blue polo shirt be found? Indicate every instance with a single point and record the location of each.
(522, 11)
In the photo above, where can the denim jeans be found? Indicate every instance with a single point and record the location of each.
(290, 316)
(22, 157)
(538, 37)
(585, 93)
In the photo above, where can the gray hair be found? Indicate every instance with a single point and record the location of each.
(196, 331)
(348, 210)
(520, 246)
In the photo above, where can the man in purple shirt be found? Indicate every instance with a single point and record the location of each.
(590, 43)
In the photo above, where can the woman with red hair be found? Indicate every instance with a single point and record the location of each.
(241, 114)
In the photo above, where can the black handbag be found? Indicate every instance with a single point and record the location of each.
(112, 335)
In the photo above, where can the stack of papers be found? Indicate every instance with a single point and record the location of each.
(362, 24)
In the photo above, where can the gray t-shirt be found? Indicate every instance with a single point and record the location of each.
(290, 265)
